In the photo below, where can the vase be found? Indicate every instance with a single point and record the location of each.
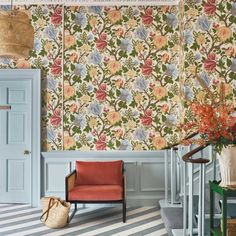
(227, 162)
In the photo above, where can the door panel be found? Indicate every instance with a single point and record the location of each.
(15, 138)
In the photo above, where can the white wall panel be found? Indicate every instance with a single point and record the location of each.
(144, 172)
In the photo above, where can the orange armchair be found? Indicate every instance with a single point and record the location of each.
(96, 182)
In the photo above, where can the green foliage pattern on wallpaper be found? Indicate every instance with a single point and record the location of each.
(47, 55)
(210, 50)
(120, 82)
(120, 77)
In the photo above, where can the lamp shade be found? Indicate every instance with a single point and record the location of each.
(16, 34)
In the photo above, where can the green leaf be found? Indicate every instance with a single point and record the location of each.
(163, 118)
(232, 75)
(232, 19)
(228, 6)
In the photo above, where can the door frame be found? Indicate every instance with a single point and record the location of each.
(33, 75)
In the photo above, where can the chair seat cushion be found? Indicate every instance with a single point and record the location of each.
(94, 173)
(95, 193)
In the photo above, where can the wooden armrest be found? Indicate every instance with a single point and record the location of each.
(70, 180)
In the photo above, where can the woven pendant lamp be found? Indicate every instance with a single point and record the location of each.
(16, 34)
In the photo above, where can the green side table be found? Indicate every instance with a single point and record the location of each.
(224, 193)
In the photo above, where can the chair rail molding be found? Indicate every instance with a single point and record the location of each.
(144, 172)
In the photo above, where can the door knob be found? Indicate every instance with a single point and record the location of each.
(26, 152)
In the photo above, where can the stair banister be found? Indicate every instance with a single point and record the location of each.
(188, 158)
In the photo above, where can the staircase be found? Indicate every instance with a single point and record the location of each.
(185, 209)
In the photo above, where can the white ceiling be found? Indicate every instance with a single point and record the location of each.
(92, 2)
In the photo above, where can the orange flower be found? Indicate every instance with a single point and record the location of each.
(69, 142)
(69, 91)
(159, 92)
(22, 64)
(73, 57)
(159, 41)
(165, 57)
(230, 52)
(69, 41)
(73, 108)
(224, 33)
(114, 16)
(113, 117)
(159, 142)
(113, 66)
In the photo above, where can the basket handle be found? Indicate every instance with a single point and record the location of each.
(51, 203)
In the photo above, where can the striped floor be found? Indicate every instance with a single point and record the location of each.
(21, 220)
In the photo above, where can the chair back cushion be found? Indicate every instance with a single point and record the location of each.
(95, 173)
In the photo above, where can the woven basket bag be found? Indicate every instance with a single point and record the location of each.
(55, 212)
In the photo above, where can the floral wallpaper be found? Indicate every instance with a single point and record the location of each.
(118, 85)
(120, 77)
(210, 49)
(47, 55)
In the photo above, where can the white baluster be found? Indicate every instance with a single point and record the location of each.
(203, 197)
(190, 201)
(184, 198)
(166, 176)
(172, 177)
(200, 202)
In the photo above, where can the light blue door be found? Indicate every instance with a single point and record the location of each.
(15, 141)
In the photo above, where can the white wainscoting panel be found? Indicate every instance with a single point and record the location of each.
(144, 173)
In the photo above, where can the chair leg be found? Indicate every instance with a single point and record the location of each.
(73, 213)
(124, 211)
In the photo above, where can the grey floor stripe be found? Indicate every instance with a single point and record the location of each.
(20, 214)
(149, 230)
(130, 226)
(37, 218)
(46, 229)
(103, 214)
(78, 232)
(95, 215)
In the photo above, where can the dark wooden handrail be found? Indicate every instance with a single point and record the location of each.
(187, 156)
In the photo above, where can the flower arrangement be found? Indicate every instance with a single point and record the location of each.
(214, 120)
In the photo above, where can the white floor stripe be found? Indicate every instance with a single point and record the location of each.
(5, 204)
(160, 232)
(35, 222)
(117, 225)
(12, 208)
(139, 228)
(82, 226)
(13, 220)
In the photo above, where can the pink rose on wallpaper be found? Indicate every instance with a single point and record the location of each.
(146, 119)
(147, 18)
(56, 67)
(101, 93)
(210, 7)
(56, 17)
(147, 67)
(101, 143)
(56, 118)
(101, 42)
(210, 63)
